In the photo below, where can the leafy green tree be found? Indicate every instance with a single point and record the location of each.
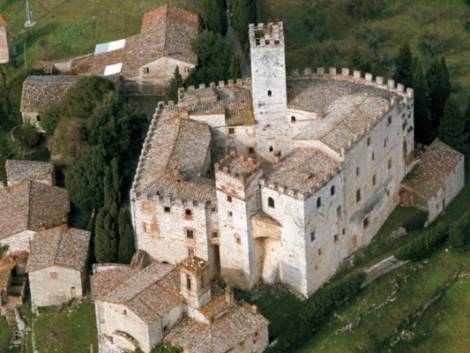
(216, 18)
(105, 240)
(440, 89)
(126, 236)
(451, 129)
(404, 66)
(84, 179)
(27, 136)
(422, 117)
(82, 99)
(50, 120)
(175, 83)
(243, 13)
(214, 58)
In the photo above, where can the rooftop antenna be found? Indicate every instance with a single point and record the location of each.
(29, 15)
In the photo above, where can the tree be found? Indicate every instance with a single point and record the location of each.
(84, 179)
(27, 136)
(105, 241)
(422, 118)
(126, 237)
(234, 70)
(440, 89)
(466, 130)
(216, 18)
(175, 83)
(243, 13)
(366, 9)
(404, 66)
(451, 129)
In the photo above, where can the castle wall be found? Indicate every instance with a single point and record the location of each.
(54, 286)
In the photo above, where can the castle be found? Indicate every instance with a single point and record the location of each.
(274, 179)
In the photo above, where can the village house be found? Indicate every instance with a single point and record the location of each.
(57, 266)
(12, 284)
(19, 170)
(30, 203)
(148, 59)
(138, 307)
(435, 181)
(4, 43)
(42, 93)
(278, 178)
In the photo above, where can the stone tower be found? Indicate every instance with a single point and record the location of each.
(268, 71)
(237, 184)
(195, 282)
(4, 44)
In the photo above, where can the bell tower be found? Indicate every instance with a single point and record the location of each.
(195, 282)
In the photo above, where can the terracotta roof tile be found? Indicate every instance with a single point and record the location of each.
(19, 170)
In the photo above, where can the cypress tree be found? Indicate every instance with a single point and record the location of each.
(216, 18)
(243, 13)
(466, 130)
(422, 117)
(234, 70)
(175, 83)
(404, 66)
(451, 130)
(104, 244)
(440, 88)
(126, 237)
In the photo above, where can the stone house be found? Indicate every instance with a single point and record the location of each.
(4, 42)
(12, 283)
(139, 307)
(57, 266)
(27, 208)
(41, 93)
(147, 59)
(19, 170)
(274, 179)
(435, 181)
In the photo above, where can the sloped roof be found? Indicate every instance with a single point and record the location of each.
(32, 206)
(59, 247)
(223, 334)
(166, 32)
(437, 163)
(41, 93)
(150, 292)
(18, 170)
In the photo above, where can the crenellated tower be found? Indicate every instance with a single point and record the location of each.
(269, 85)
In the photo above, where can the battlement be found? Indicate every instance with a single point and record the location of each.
(239, 167)
(266, 35)
(207, 90)
(356, 76)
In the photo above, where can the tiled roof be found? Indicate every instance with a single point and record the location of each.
(18, 170)
(32, 206)
(41, 93)
(59, 247)
(150, 292)
(303, 170)
(225, 332)
(174, 157)
(437, 163)
(166, 32)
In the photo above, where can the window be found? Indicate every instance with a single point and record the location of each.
(271, 148)
(312, 235)
(389, 164)
(293, 119)
(190, 252)
(389, 120)
(338, 212)
(385, 142)
(271, 202)
(167, 209)
(373, 156)
(188, 213)
(270, 93)
(237, 238)
(368, 141)
(229, 198)
(336, 238)
(374, 180)
(214, 209)
(332, 190)
(189, 233)
(124, 312)
(319, 202)
(358, 195)
(365, 222)
(146, 70)
(231, 130)
(229, 213)
(319, 252)
(344, 231)
(188, 282)
(251, 150)
(38, 118)
(358, 171)
(215, 234)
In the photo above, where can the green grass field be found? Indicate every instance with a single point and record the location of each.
(5, 333)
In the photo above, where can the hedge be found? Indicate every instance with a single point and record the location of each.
(459, 232)
(311, 314)
(424, 244)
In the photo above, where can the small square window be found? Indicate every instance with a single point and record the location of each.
(385, 142)
(336, 238)
(312, 235)
(251, 150)
(373, 156)
(189, 233)
(215, 234)
(188, 212)
(231, 130)
(344, 231)
(230, 214)
(214, 209)
(332, 190)
(319, 202)
(358, 195)
(229, 198)
(167, 209)
(237, 239)
(146, 70)
(389, 164)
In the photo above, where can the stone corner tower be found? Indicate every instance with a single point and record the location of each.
(195, 282)
(269, 86)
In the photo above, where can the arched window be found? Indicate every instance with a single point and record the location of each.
(332, 190)
(319, 202)
(271, 202)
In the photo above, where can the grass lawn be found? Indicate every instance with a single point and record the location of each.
(5, 333)
(71, 330)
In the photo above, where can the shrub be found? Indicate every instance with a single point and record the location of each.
(27, 136)
(424, 244)
(366, 9)
(416, 222)
(459, 232)
(311, 315)
(49, 121)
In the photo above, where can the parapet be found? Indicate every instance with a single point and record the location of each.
(266, 35)
(355, 76)
(239, 167)
(207, 93)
